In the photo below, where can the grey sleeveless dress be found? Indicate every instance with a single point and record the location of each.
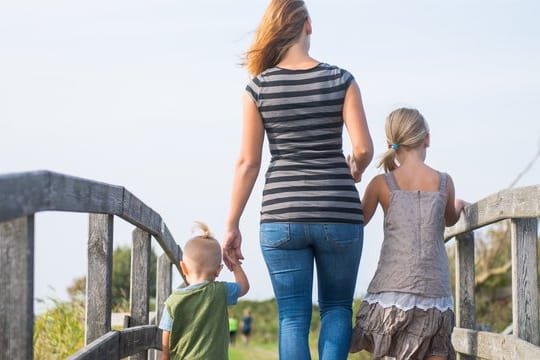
(408, 313)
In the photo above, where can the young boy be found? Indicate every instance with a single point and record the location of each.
(195, 320)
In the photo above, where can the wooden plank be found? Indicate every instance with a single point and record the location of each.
(138, 339)
(70, 193)
(140, 278)
(525, 279)
(27, 193)
(140, 283)
(99, 278)
(493, 346)
(163, 284)
(465, 274)
(465, 285)
(163, 287)
(167, 241)
(142, 216)
(17, 288)
(23, 194)
(506, 204)
(106, 347)
(120, 344)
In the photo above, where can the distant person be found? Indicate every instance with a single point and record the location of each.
(408, 311)
(311, 211)
(247, 326)
(195, 319)
(233, 327)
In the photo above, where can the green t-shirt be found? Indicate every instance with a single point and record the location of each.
(201, 329)
(233, 324)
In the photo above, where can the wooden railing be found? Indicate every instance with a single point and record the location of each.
(24, 194)
(522, 208)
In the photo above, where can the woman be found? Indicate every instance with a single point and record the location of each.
(311, 209)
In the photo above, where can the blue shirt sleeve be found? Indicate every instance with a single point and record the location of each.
(233, 291)
(166, 320)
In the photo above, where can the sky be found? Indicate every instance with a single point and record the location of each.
(147, 95)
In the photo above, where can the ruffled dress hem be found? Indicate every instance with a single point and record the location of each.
(403, 334)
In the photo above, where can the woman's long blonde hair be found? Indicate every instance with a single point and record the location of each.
(282, 23)
(404, 128)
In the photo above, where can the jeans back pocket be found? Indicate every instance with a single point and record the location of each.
(274, 234)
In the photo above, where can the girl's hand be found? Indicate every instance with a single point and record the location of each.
(355, 173)
(232, 252)
(459, 205)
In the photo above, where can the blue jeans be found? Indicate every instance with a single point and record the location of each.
(289, 250)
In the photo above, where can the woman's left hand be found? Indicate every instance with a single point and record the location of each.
(232, 251)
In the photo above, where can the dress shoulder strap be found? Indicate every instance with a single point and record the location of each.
(391, 181)
(443, 182)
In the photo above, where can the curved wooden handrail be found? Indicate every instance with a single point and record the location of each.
(506, 204)
(118, 344)
(488, 345)
(26, 193)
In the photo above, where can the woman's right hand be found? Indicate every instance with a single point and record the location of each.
(232, 243)
(355, 172)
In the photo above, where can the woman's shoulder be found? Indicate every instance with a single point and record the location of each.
(336, 69)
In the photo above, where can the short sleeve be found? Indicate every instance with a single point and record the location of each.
(233, 291)
(347, 78)
(166, 321)
(253, 89)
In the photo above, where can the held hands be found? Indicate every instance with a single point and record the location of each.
(355, 173)
(459, 204)
(232, 252)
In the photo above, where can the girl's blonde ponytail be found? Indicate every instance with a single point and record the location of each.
(404, 128)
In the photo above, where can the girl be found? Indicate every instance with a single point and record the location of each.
(407, 313)
(311, 210)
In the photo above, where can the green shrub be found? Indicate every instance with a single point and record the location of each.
(59, 332)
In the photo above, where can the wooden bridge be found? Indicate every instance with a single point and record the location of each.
(24, 194)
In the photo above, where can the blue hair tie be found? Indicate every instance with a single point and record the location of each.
(395, 146)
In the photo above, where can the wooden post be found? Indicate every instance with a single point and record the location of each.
(17, 288)
(99, 278)
(163, 290)
(163, 282)
(525, 279)
(163, 287)
(140, 283)
(465, 276)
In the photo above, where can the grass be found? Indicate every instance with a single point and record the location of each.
(268, 351)
(253, 352)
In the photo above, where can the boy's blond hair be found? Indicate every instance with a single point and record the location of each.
(203, 250)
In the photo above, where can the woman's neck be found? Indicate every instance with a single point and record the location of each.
(297, 57)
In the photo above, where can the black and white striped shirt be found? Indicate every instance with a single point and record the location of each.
(308, 179)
